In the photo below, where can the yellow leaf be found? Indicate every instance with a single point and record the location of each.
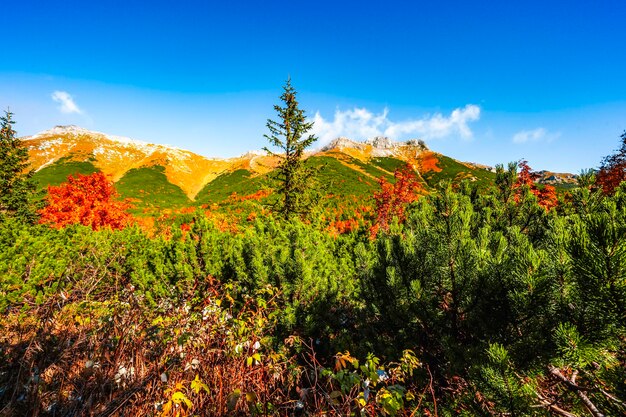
(341, 359)
(180, 398)
(197, 385)
(250, 397)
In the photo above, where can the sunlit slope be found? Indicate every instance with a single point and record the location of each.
(58, 172)
(158, 177)
(148, 188)
(235, 184)
(436, 168)
(336, 175)
(115, 156)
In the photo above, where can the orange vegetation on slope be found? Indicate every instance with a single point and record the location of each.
(115, 156)
(343, 158)
(362, 153)
(254, 197)
(427, 162)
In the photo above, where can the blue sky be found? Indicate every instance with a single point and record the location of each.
(487, 82)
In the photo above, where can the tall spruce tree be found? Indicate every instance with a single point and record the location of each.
(16, 184)
(290, 135)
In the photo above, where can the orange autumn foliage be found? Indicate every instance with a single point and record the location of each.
(428, 162)
(546, 197)
(223, 222)
(255, 196)
(339, 227)
(187, 210)
(90, 200)
(609, 178)
(613, 169)
(147, 224)
(392, 199)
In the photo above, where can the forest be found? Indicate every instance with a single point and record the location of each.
(506, 300)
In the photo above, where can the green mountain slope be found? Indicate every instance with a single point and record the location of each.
(452, 170)
(58, 172)
(240, 182)
(339, 176)
(148, 188)
(158, 177)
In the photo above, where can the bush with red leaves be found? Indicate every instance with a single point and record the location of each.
(90, 200)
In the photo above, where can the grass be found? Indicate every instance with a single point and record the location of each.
(241, 182)
(387, 163)
(149, 188)
(58, 172)
(564, 187)
(374, 170)
(452, 170)
(333, 177)
(340, 180)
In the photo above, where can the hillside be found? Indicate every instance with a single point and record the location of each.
(421, 300)
(160, 176)
(64, 149)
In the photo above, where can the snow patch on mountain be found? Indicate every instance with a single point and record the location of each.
(49, 144)
(76, 131)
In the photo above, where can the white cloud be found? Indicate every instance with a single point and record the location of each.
(66, 101)
(536, 135)
(360, 123)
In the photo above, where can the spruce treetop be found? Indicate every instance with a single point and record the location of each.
(16, 185)
(289, 134)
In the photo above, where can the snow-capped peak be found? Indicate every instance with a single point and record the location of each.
(62, 130)
(73, 130)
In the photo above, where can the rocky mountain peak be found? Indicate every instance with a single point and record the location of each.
(381, 142)
(341, 143)
(63, 130)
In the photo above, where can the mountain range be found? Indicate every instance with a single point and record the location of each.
(161, 176)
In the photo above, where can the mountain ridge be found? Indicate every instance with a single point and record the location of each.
(117, 155)
(156, 175)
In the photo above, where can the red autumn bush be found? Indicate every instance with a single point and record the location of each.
(90, 200)
(546, 196)
(392, 199)
(613, 169)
